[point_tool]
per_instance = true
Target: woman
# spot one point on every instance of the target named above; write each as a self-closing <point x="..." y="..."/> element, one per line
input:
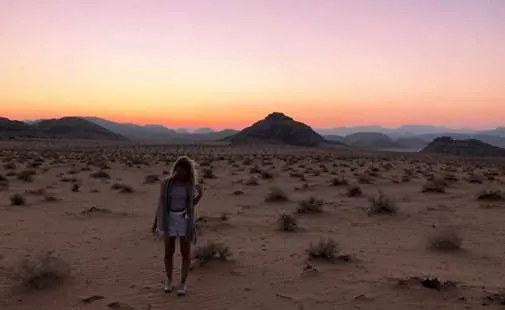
<point x="175" y="217"/>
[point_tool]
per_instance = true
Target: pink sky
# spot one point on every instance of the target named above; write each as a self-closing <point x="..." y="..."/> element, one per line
<point x="226" y="63"/>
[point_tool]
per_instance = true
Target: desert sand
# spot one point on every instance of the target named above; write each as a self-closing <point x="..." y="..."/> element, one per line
<point x="100" y="229"/>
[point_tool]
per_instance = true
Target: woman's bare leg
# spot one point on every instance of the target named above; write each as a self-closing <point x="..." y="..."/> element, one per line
<point x="169" y="256"/>
<point x="185" y="246"/>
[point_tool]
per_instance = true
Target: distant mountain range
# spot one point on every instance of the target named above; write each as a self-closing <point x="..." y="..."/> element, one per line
<point x="276" y="127"/>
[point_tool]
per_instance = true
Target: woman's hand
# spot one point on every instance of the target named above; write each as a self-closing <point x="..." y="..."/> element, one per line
<point x="199" y="193"/>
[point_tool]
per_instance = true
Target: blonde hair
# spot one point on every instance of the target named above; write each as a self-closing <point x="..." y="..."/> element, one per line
<point x="188" y="163"/>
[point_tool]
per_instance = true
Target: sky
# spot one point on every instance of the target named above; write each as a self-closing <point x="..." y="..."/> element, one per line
<point x="228" y="63"/>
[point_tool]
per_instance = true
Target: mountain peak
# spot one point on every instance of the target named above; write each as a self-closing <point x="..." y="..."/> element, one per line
<point x="278" y="116"/>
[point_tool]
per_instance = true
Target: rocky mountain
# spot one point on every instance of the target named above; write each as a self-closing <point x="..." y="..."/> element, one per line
<point x="161" y="134"/>
<point x="470" y="147"/>
<point x="278" y="128"/>
<point x="369" y="140"/>
<point x="402" y="131"/>
<point x="63" y="128"/>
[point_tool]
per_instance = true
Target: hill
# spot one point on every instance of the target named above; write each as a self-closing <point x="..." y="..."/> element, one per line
<point x="470" y="147"/>
<point x="63" y="128"/>
<point x="75" y="128"/>
<point x="369" y="140"/>
<point x="278" y="128"/>
<point x="160" y="134"/>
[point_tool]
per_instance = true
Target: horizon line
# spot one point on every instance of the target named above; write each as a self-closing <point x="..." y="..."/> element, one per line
<point x="235" y="128"/>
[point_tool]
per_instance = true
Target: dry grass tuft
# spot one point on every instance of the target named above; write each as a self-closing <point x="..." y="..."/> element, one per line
<point x="382" y="205"/>
<point x="211" y="251"/>
<point x="151" y="179"/>
<point x="435" y="186"/>
<point x="324" y="249"/>
<point x="339" y="182"/>
<point x="311" y="205"/>
<point x="354" y="191"/>
<point x="287" y="222"/>
<point x="26" y="176"/>
<point x="18" y="200"/>
<point x="446" y="241"/>
<point x="491" y="195"/>
<point x="41" y="272"/>
<point x="208" y="173"/>
<point x="122" y="188"/>
<point x="276" y="195"/>
<point x="100" y="174"/>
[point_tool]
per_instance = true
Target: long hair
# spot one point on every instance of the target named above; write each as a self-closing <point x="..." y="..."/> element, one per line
<point x="188" y="164"/>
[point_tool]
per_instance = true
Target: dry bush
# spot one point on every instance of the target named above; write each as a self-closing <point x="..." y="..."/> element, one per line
<point x="324" y="249"/>
<point x="447" y="241"/>
<point x="354" y="191"/>
<point x="26" y="176"/>
<point x="475" y="179"/>
<point x="436" y="185"/>
<point x="276" y="195"/>
<point x="100" y="174"/>
<point x="50" y="198"/>
<point x="255" y="169"/>
<point x="211" y="251"/>
<point x="311" y="205"/>
<point x="152" y="178"/>
<point x="41" y="272"/>
<point x="382" y="204"/>
<point x="3" y="179"/>
<point x="10" y="166"/>
<point x="287" y="222"/>
<point x="18" y="200"/>
<point x="208" y="173"/>
<point x="491" y="195"/>
<point x="339" y="182"/>
<point x="76" y="188"/>
<point x="238" y="192"/>
<point x="122" y="188"/>
<point x="265" y="175"/>
<point x="252" y="181"/>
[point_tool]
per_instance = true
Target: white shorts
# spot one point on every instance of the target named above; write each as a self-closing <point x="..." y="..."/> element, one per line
<point x="177" y="224"/>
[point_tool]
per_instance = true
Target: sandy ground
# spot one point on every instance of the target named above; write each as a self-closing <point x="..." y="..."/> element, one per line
<point x="113" y="255"/>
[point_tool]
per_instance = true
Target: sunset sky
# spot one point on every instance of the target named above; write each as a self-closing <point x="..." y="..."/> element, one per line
<point x="227" y="63"/>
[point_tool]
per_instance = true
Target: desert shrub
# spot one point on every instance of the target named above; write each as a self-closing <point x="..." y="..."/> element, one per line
<point x="26" y="176"/>
<point x="3" y="179"/>
<point x="76" y="188"/>
<point x="339" y="182"/>
<point x="324" y="249"/>
<point x="276" y="194"/>
<point x="354" y="191"/>
<point x="252" y="181"/>
<point x="491" y="195"/>
<point x="152" y="178"/>
<point x="208" y="173"/>
<point x="100" y="174"/>
<point x="446" y="241"/>
<point x="475" y="179"/>
<point x="41" y="272"/>
<point x="50" y="198"/>
<point x="122" y="188"/>
<point x="68" y="180"/>
<point x="382" y="204"/>
<point x="311" y="205"/>
<point x="296" y="175"/>
<point x="18" y="200"/>
<point x="238" y="192"/>
<point x="211" y="251"/>
<point x="266" y="175"/>
<point x="364" y="179"/>
<point x="287" y="222"/>
<point x="255" y="169"/>
<point x="436" y="185"/>
<point x="10" y="166"/>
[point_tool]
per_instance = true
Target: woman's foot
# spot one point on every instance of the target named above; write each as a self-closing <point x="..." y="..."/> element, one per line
<point x="182" y="290"/>
<point x="169" y="287"/>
